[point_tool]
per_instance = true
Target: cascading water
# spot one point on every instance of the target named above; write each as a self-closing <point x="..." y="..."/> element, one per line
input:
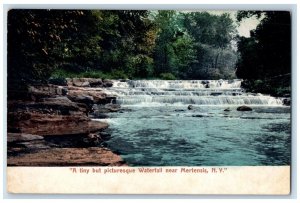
<point x="156" y="128"/>
<point x="198" y="92"/>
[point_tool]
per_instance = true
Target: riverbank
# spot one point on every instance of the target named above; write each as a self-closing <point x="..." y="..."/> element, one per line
<point x="53" y="126"/>
<point x="278" y="86"/>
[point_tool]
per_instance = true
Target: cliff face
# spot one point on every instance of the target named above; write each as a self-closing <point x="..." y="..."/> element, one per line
<point x="52" y="127"/>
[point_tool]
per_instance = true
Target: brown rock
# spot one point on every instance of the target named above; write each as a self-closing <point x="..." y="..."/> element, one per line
<point x="112" y="107"/>
<point x="53" y="105"/>
<point x="95" y="126"/>
<point x="87" y="95"/>
<point x="41" y="124"/>
<point x="93" y="156"/>
<point x="19" y="137"/>
<point x="80" y="82"/>
<point x="42" y="91"/>
<point x="95" y="82"/>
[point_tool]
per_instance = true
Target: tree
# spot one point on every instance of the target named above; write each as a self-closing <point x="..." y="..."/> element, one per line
<point x="213" y="35"/>
<point x="267" y="52"/>
<point x="36" y="44"/>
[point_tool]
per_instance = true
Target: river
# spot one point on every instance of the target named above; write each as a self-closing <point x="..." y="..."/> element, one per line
<point x="156" y="128"/>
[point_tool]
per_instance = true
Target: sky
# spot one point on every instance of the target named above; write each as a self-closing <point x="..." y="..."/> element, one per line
<point x="245" y="26"/>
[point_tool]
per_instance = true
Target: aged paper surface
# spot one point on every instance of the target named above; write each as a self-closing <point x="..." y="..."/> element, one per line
<point x="274" y="180"/>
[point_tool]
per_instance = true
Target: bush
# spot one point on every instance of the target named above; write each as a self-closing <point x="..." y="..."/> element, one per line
<point x="92" y="74"/>
<point x="118" y="74"/>
<point x="59" y="74"/>
<point x="167" y="76"/>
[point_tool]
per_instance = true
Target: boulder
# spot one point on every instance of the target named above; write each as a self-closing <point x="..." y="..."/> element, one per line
<point x="87" y="96"/>
<point x="107" y="83"/>
<point x="227" y="109"/>
<point x="216" y="93"/>
<point x="92" y="156"/>
<point x="80" y="82"/>
<point x="190" y="107"/>
<point x="95" y="82"/>
<point x="112" y="107"/>
<point x="244" y="108"/>
<point x="286" y="101"/>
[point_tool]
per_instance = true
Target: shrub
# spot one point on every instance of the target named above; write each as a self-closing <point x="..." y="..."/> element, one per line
<point x="167" y="76"/>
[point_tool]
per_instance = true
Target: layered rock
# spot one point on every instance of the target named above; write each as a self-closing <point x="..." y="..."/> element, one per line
<point x="93" y="156"/>
<point x="51" y="126"/>
<point x="39" y="124"/>
<point x="88" y="82"/>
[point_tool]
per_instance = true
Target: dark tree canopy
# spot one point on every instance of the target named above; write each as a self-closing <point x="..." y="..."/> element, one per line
<point x="119" y="44"/>
<point x="267" y="52"/>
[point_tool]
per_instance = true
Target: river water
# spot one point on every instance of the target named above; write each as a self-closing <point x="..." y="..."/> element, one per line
<point x="156" y="128"/>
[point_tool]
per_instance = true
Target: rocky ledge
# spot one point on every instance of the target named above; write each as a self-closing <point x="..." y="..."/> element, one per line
<point x="53" y="126"/>
<point x="92" y="156"/>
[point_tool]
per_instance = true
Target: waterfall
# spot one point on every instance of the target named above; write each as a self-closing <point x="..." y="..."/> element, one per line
<point x="197" y="92"/>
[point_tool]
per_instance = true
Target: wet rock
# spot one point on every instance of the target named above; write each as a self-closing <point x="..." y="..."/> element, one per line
<point x="179" y="110"/>
<point x="112" y="107"/>
<point x="95" y="82"/>
<point x="201" y="115"/>
<point x="92" y="156"/>
<point x="244" y="108"/>
<point x="105" y="136"/>
<point x="227" y="109"/>
<point x="100" y="109"/>
<point x="236" y="94"/>
<point x="107" y="83"/>
<point x="110" y="99"/>
<point x="286" y="101"/>
<point x="98" y="114"/>
<point x="216" y="93"/>
<point x="190" y="107"/>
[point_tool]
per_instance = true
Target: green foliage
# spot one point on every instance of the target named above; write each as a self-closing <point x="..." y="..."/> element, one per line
<point x="167" y="76"/>
<point x="267" y="52"/>
<point x="61" y="73"/>
<point x="118" y="44"/>
<point x="277" y="86"/>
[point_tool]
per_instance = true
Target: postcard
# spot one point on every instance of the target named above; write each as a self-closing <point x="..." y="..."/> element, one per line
<point x="148" y="101"/>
